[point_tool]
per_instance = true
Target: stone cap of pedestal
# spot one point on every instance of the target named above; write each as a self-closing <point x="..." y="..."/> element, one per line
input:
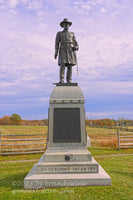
<point x="67" y="94"/>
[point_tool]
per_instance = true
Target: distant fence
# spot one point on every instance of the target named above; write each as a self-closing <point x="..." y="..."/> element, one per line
<point x="113" y="127"/>
<point x="22" y="144"/>
<point x="125" y="139"/>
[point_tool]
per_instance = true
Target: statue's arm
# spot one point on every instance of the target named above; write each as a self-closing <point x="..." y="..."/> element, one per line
<point x="57" y="40"/>
<point x="76" y="46"/>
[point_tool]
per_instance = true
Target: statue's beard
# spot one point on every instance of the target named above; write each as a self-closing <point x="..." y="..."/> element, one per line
<point x="66" y="28"/>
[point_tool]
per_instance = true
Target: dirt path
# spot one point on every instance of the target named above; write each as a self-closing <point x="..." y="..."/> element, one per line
<point x="114" y="155"/>
<point x="131" y="154"/>
<point x="19" y="160"/>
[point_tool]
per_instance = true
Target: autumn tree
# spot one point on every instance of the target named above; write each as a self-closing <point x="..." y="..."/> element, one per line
<point x="5" y="120"/>
<point x="16" y="119"/>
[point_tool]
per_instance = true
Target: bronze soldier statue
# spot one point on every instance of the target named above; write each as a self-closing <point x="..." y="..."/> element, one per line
<point x="65" y="47"/>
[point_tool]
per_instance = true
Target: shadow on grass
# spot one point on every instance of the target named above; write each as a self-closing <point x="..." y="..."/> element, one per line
<point x="127" y="174"/>
<point x="14" y="181"/>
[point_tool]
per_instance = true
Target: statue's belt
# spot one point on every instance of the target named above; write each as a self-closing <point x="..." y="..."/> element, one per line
<point x="66" y="42"/>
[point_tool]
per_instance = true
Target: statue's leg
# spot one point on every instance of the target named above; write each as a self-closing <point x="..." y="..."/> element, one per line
<point x="62" y="72"/>
<point x="69" y="74"/>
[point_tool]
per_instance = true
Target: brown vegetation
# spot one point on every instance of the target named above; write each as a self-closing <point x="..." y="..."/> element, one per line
<point x="109" y="122"/>
<point x="113" y="142"/>
<point x="9" y="120"/>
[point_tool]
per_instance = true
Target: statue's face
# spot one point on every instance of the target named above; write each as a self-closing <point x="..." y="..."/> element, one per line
<point x="66" y="26"/>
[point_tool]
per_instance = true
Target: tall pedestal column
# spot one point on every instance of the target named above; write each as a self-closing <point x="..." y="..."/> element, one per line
<point x="66" y="162"/>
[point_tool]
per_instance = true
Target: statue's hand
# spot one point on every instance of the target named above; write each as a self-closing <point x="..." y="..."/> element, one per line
<point x="55" y="56"/>
<point x="75" y="48"/>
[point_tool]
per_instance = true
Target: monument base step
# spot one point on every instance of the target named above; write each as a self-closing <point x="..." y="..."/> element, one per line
<point x="66" y="167"/>
<point x="42" y="181"/>
<point x="68" y="155"/>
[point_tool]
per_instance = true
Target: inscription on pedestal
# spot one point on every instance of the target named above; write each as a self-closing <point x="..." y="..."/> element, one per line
<point x="66" y="125"/>
<point x="68" y="169"/>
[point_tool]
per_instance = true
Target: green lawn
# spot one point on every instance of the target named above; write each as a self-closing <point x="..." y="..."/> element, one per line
<point x="120" y="168"/>
<point x="96" y="151"/>
<point x="100" y="151"/>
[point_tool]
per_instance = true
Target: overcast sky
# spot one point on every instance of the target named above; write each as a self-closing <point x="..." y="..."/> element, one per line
<point x="104" y="31"/>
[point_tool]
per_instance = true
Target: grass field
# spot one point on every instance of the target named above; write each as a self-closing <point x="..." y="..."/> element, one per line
<point x="130" y="127"/>
<point x="118" y="167"/>
<point x="118" y="164"/>
<point x="99" y="136"/>
<point x="33" y="131"/>
<point x="102" y="136"/>
<point x="23" y="130"/>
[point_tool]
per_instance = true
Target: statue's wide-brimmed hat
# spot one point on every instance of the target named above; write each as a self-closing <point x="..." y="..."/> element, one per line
<point x="65" y="21"/>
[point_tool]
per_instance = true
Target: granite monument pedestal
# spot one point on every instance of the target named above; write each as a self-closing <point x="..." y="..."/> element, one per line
<point x="66" y="162"/>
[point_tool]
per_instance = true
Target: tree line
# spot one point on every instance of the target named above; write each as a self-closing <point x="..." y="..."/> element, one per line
<point x="109" y="122"/>
<point x="16" y="119"/>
